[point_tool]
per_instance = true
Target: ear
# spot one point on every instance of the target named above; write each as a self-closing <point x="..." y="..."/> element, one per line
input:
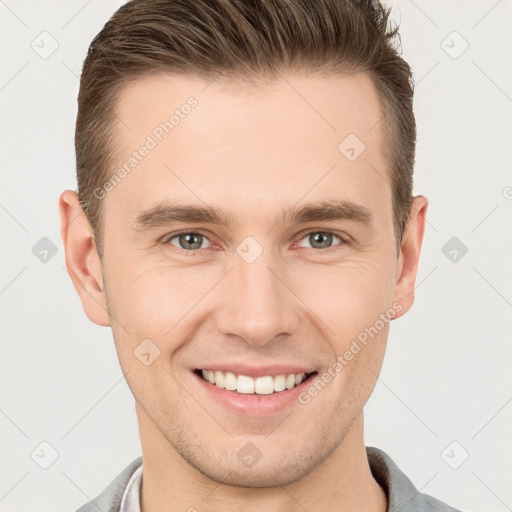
<point x="82" y="260"/>
<point x="407" y="264"/>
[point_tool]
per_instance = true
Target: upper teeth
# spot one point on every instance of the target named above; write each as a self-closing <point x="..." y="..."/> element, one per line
<point x="261" y="385"/>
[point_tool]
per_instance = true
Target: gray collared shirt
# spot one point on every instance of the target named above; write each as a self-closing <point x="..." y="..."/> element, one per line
<point x="122" y="494"/>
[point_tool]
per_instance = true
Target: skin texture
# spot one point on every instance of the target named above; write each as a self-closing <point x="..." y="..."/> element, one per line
<point x="251" y="153"/>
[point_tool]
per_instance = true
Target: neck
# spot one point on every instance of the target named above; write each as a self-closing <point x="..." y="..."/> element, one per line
<point x="341" y="482"/>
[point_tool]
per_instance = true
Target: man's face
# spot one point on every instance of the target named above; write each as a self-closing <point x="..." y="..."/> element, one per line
<point x="267" y="289"/>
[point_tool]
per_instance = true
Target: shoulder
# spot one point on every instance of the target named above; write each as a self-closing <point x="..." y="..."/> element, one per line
<point x="401" y="492"/>
<point x="110" y="498"/>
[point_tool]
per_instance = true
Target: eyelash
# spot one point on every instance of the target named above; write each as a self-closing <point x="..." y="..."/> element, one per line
<point x="193" y="252"/>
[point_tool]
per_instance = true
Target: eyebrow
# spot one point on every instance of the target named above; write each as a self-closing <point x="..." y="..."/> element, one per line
<point x="329" y="210"/>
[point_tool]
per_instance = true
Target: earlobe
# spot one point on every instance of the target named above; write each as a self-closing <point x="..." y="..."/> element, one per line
<point x="82" y="260"/>
<point x="407" y="264"/>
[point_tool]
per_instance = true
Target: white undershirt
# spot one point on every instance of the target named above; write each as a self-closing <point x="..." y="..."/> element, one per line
<point x="130" y="501"/>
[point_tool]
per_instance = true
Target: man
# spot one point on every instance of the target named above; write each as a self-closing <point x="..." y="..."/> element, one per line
<point x="245" y="225"/>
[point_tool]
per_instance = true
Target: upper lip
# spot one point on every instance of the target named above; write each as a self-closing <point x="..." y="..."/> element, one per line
<point x="256" y="371"/>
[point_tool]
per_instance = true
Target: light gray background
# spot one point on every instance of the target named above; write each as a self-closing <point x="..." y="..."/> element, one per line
<point x="447" y="372"/>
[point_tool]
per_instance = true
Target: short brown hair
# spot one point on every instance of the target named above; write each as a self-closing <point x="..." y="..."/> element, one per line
<point x="247" y="41"/>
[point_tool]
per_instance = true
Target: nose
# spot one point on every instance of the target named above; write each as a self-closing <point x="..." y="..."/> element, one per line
<point x="255" y="303"/>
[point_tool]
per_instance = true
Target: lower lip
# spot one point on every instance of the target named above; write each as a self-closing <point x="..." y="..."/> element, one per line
<point x="251" y="404"/>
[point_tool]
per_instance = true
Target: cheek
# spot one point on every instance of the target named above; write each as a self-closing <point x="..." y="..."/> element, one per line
<point x="141" y="316"/>
<point x="350" y="294"/>
<point x="360" y="358"/>
<point x="352" y="304"/>
<point x="154" y="298"/>
<point x="153" y="309"/>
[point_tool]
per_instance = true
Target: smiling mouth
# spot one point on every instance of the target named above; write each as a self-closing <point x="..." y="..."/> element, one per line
<point x="243" y="384"/>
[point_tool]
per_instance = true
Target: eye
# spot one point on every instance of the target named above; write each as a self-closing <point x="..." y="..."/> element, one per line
<point x="188" y="241"/>
<point x="320" y="240"/>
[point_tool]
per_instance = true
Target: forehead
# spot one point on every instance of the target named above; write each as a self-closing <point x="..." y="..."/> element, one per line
<point x="324" y="105"/>
<point x="276" y="142"/>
